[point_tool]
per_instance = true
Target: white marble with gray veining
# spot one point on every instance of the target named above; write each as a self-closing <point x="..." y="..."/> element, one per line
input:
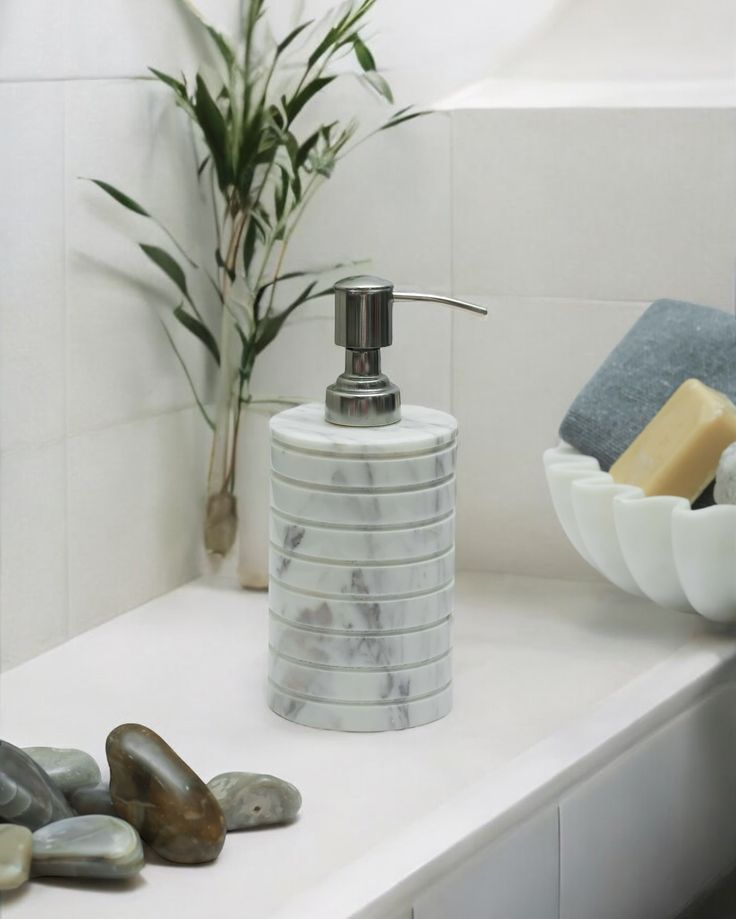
<point x="402" y="544"/>
<point x="419" y="430"/>
<point x="360" y="615"/>
<point x="355" y="685"/>
<point x="361" y="569"/>
<point x="343" y="716"/>
<point x="375" y="581"/>
<point x="363" y="509"/>
<point x="376" y="472"/>
<point x="359" y="650"/>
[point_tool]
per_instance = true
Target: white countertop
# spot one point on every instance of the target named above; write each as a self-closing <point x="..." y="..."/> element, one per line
<point x="548" y="676"/>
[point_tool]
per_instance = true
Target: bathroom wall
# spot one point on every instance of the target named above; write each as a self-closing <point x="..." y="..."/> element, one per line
<point x="102" y="452"/>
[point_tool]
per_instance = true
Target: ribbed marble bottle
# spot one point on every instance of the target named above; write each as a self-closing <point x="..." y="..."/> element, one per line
<point x="362" y="541"/>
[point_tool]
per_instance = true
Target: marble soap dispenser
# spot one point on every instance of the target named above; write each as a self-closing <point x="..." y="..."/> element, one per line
<point x="362" y="539"/>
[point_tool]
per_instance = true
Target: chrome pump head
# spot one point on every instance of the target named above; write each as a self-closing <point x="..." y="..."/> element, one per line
<point x="362" y="396"/>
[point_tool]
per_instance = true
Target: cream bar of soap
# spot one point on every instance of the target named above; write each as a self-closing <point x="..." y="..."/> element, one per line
<point x="677" y="453"/>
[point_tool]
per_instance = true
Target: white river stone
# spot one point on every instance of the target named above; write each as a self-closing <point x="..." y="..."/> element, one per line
<point x="250" y="799"/>
<point x="93" y="846"/>
<point x="725" y="490"/>
<point x="68" y="769"/>
<point x="15" y="855"/>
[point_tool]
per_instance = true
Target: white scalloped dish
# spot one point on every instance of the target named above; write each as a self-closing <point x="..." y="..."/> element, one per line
<point x="659" y="547"/>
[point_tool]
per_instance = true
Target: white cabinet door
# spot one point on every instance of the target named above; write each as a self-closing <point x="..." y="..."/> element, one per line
<point x="515" y="877"/>
<point x="656" y="826"/>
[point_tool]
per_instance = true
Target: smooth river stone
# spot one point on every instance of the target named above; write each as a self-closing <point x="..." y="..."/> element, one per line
<point x="27" y="794"/>
<point x="725" y="489"/>
<point x="92" y="846"/>
<point x="67" y="769"/>
<point x="154" y="790"/>
<point x="15" y="855"/>
<point x="92" y="800"/>
<point x="250" y="799"/>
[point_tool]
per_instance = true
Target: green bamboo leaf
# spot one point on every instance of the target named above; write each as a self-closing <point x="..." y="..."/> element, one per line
<point x="223" y="46"/>
<point x="327" y="42"/>
<point x="283" y="45"/>
<point x="306" y="148"/>
<point x="127" y="202"/>
<point x="249" y="245"/>
<point x="363" y="54"/>
<point x="178" y="87"/>
<point x="297" y="102"/>
<point x="276" y="116"/>
<point x="379" y="84"/>
<point x="221" y="264"/>
<point x="270" y="326"/>
<point x="212" y="123"/>
<point x="168" y="265"/>
<point x="280" y="194"/>
<point x="398" y="118"/>
<point x="188" y="375"/>
<point x="121" y="198"/>
<point x="199" y="330"/>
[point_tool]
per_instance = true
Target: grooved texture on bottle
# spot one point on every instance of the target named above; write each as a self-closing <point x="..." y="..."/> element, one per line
<point x="361" y="570"/>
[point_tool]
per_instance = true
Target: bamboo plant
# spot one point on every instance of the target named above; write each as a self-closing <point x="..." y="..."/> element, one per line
<point x="261" y="169"/>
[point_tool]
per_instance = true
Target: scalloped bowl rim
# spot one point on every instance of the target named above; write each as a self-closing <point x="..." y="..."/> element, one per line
<point x="657" y="547"/>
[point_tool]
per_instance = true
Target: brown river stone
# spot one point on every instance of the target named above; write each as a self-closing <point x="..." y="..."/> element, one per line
<point x="154" y="790"/>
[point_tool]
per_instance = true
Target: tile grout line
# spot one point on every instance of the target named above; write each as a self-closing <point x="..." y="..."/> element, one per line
<point x="559" y="860"/>
<point x="65" y="294"/>
<point x="451" y="220"/>
<point x="112" y="78"/>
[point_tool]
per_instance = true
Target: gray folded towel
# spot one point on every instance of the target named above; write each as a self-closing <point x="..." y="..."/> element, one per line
<point x="670" y="343"/>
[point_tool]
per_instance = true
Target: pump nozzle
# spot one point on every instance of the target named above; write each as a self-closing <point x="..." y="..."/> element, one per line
<point x="362" y="396"/>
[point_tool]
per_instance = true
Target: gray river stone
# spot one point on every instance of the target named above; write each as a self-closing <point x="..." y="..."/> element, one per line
<point x="27" y="795"/>
<point x="94" y="799"/>
<point x="92" y="846"/>
<point x="67" y="769"/>
<point x="15" y="855"/>
<point x="250" y="799"/>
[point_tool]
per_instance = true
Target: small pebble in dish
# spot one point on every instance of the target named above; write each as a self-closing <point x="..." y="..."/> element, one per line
<point x="725" y="490"/>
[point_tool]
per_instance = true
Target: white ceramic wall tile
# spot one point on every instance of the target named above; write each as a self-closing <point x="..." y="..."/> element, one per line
<point x="33" y="561"/>
<point x="30" y="40"/>
<point x="121" y="365"/>
<point x="617" y="863"/>
<point x="388" y="202"/>
<point x="675" y="40"/>
<point x="515" y="374"/>
<point x="135" y="513"/>
<point x="119" y="38"/>
<point x="610" y="204"/>
<point x="32" y="278"/>
<point x="515" y="877"/>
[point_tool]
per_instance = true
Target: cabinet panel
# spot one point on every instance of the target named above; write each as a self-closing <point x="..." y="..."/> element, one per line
<point x="652" y="829"/>
<point x="515" y="877"/>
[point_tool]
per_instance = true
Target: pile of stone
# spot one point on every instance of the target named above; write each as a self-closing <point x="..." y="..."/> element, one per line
<point x="56" y="818"/>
